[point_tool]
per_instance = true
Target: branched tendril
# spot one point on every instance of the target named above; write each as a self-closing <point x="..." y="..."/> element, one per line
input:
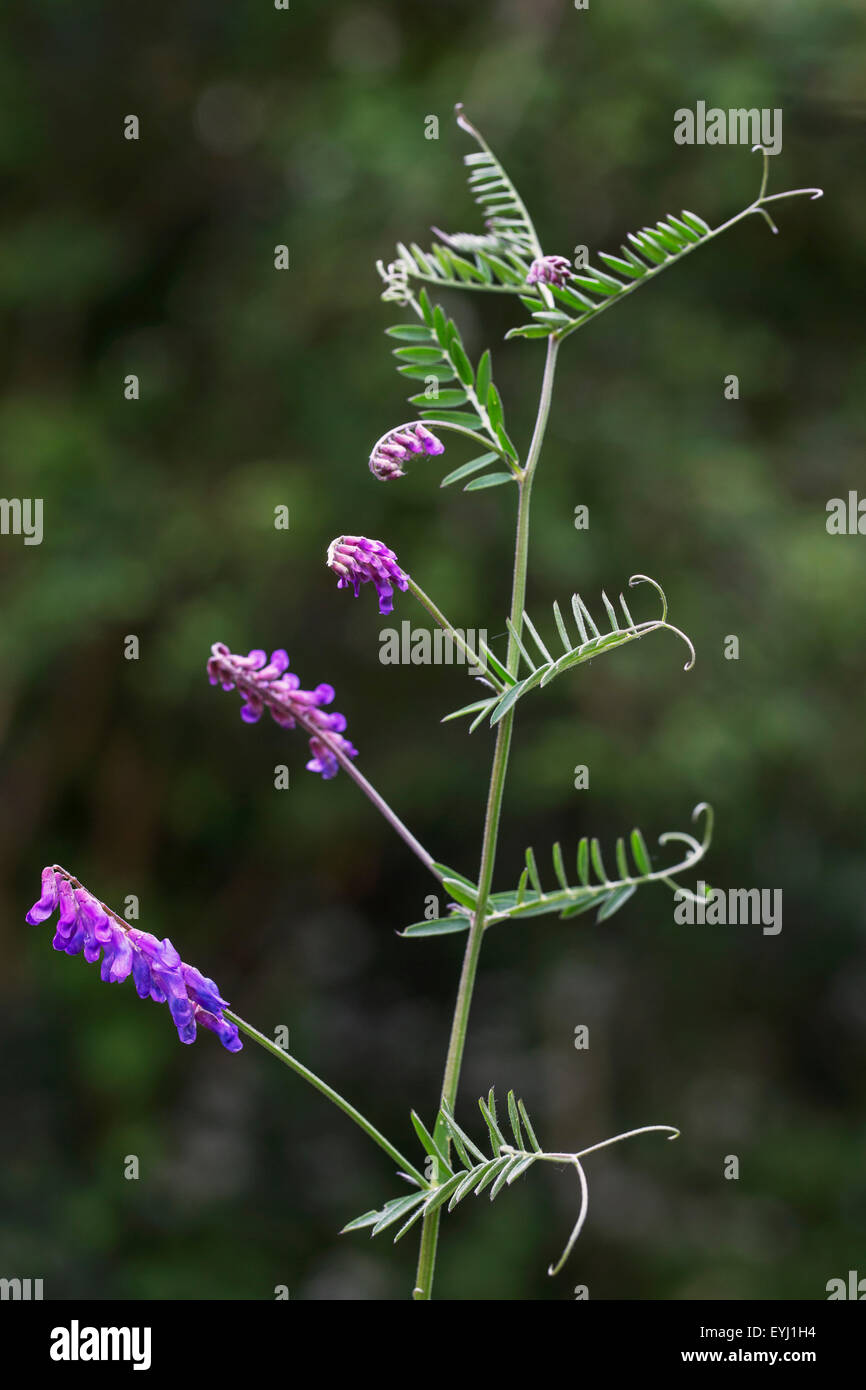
<point x="468" y="1169"/>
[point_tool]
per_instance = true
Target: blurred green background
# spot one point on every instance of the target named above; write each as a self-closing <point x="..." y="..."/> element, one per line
<point x="261" y="388"/>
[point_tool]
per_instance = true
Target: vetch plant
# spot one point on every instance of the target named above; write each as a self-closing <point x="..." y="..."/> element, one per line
<point x="459" y="399"/>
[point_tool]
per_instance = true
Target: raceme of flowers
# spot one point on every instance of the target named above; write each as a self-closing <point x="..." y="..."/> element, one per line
<point x="85" y="926"/>
<point x="392" y="451"/>
<point x="355" y="560"/>
<point x="267" y="684"/>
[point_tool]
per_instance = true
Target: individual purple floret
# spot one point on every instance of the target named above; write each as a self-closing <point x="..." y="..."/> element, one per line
<point x="394" y="448"/>
<point x="86" y="926"/>
<point x="262" y="683"/>
<point x="549" y="270"/>
<point x="356" y="560"/>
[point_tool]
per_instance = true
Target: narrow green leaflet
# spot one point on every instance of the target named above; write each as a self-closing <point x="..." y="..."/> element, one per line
<point x="443" y="400"/>
<point x="466" y="469"/>
<point x="482" y="376"/>
<point x="438" y="926"/>
<point x="429" y="1145"/>
<point x="410" y="332"/>
<point x="489" y="480"/>
<point x="462" y="889"/>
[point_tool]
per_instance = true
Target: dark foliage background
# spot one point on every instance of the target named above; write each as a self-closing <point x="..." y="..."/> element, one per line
<point x="260" y="388"/>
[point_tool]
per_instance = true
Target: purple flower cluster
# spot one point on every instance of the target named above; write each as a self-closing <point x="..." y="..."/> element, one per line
<point x="262" y="683"/>
<point x="355" y="560"/>
<point x="549" y="270"/>
<point x="394" y="449"/>
<point x="85" y="926"/>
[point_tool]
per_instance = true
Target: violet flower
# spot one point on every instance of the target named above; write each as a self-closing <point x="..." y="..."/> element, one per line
<point x="86" y="926"/>
<point x="394" y="448"/>
<point x="355" y="560"/>
<point x="549" y="270"/>
<point x="268" y="684"/>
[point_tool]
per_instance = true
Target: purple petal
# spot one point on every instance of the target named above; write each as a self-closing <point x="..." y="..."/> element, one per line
<point x="95" y="919"/>
<point x="75" y="943"/>
<point x="225" y="1030"/>
<point x="123" y="958"/>
<point x="43" y="908"/>
<point x="68" y="918"/>
<point x="202" y="990"/>
<point x="431" y="444"/>
<point x="141" y="974"/>
<point x="169" y="956"/>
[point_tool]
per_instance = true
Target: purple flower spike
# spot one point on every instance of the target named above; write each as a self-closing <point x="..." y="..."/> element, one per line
<point x="355" y="560"/>
<point x="549" y="270"/>
<point x="394" y="448"/>
<point x="87" y="926"/>
<point x="264" y="684"/>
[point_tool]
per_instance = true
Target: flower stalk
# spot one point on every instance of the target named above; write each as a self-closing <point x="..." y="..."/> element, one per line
<point x="476" y="659"/>
<point x="334" y="1096"/>
<point x="262" y="684"/>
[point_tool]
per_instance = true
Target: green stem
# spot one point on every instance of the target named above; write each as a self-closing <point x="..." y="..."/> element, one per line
<point x="477" y="665"/>
<point x="457" y="1042"/>
<point x="288" y="1060"/>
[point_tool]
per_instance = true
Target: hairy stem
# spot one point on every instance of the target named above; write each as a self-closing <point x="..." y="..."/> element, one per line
<point x="460" y="1023"/>
<point x="374" y="797"/>
<point x="250" y="688"/>
<point x="384" y="809"/>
